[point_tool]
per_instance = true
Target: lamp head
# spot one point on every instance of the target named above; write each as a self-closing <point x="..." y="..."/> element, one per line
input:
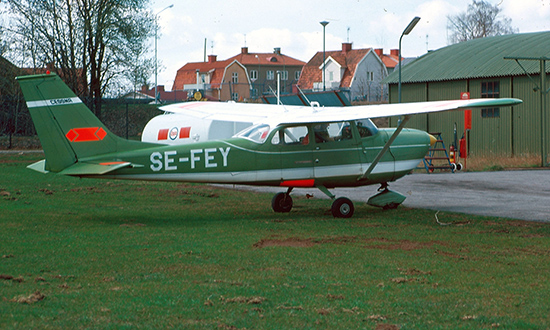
<point x="411" y="25"/>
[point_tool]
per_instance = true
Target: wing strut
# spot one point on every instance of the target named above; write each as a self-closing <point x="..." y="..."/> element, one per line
<point x="385" y="148"/>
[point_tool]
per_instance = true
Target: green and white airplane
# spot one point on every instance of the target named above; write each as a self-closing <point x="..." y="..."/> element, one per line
<point x="289" y="147"/>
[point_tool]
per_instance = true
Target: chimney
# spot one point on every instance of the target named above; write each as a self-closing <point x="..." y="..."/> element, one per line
<point x="212" y="58"/>
<point x="277" y="50"/>
<point x="379" y="51"/>
<point x="394" y="52"/>
<point x="244" y="50"/>
<point x="346" y="47"/>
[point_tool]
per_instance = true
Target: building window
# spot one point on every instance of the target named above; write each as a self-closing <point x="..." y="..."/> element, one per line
<point x="254" y="92"/>
<point x="370" y="76"/>
<point x="284" y="75"/>
<point x="235" y="77"/>
<point x="297" y="75"/>
<point x="330" y="76"/>
<point x="253" y="75"/>
<point x="235" y="96"/>
<point x="270" y="75"/>
<point x="490" y="89"/>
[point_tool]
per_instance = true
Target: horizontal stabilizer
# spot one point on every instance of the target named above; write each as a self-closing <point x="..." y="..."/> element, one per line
<point x="39" y="166"/>
<point x="96" y="168"/>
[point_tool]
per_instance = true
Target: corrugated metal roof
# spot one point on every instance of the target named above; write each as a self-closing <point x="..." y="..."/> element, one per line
<point x="478" y="58"/>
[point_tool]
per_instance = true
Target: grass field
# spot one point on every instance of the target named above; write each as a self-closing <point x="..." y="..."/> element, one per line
<point x="114" y="255"/>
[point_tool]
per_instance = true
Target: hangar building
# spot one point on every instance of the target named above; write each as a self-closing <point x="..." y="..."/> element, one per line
<point x="484" y="67"/>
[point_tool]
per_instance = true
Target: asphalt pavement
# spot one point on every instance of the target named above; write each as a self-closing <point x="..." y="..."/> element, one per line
<point x="518" y="194"/>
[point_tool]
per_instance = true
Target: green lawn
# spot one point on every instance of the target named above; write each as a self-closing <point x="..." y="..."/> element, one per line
<point x="115" y="254"/>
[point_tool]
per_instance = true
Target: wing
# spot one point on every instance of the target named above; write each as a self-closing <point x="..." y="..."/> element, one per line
<point x="331" y="114"/>
<point x="277" y="114"/>
<point x="231" y="111"/>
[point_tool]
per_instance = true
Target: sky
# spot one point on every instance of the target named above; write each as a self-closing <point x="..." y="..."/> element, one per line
<point x="294" y="26"/>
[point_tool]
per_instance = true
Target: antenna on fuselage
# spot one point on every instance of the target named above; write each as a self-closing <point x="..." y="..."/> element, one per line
<point x="279" y="101"/>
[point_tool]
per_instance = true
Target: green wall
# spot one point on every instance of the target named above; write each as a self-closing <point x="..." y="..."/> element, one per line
<point x="516" y="132"/>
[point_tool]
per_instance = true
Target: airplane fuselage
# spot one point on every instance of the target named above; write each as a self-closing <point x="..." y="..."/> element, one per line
<point x="277" y="160"/>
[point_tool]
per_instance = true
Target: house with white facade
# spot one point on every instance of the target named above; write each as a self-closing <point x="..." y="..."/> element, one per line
<point x="358" y="71"/>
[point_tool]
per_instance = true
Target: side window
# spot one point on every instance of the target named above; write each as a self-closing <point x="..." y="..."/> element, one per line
<point x="276" y="139"/>
<point x="295" y="135"/>
<point x="366" y="128"/>
<point x="330" y="132"/>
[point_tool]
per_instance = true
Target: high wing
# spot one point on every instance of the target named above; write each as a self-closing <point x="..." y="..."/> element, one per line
<point x="230" y="111"/>
<point x="278" y="114"/>
<point x="330" y="114"/>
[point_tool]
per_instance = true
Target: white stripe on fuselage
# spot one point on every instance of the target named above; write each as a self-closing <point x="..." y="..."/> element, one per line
<point x="251" y="177"/>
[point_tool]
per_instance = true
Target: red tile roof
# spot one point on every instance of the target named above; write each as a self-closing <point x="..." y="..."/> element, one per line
<point x="390" y="60"/>
<point x="348" y="58"/>
<point x="187" y="74"/>
<point x="266" y="59"/>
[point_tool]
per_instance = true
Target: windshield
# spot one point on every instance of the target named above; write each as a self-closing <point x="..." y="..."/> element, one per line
<point x="257" y="133"/>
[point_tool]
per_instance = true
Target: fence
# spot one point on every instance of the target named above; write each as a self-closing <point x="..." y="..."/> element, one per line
<point x="123" y="117"/>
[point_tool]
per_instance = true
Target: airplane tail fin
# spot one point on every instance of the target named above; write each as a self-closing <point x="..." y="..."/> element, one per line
<point x="67" y="129"/>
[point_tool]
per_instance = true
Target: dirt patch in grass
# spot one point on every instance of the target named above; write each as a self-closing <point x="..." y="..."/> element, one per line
<point x="339" y="240"/>
<point x="289" y="242"/>
<point x="31" y="299"/>
<point x="305" y="242"/>
<point x="404" y="245"/>
<point x="244" y="300"/>
<point x="452" y="255"/>
<point x="384" y="243"/>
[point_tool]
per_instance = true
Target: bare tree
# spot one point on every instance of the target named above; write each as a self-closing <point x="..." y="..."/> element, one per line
<point x="479" y="21"/>
<point x="91" y="43"/>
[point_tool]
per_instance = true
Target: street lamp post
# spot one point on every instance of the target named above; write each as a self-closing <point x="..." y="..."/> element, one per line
<point x="407" y="30"/>
<point x="156" y="62"/>
<point x="324" y="24"/>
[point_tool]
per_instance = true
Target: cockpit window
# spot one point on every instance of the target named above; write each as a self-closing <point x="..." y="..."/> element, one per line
<point x="330" y="132"/>
<point x="257" y="133"/>
<point x="366" y="128"/>
<point x="291" y="135"/>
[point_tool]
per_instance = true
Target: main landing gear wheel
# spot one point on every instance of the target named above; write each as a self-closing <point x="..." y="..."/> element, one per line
<point x="281" y="203"/>
<point x="342" y="208"/>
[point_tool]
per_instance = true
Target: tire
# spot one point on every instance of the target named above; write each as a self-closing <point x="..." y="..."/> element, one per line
<point x="342" y="208"/>
<point x="281" y="203"/>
